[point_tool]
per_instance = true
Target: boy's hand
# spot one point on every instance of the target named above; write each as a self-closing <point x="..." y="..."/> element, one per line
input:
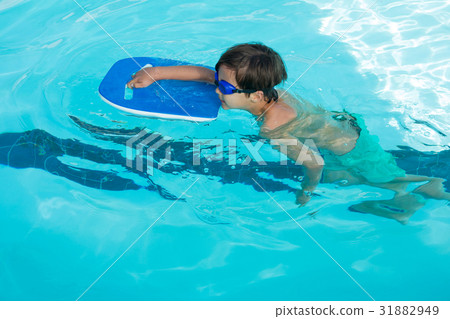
<point x="302" y="197"/>
<point x="142" y="78"/>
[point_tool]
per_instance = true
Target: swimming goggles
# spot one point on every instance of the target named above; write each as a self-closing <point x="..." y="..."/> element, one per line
<point x="228" y="88"/>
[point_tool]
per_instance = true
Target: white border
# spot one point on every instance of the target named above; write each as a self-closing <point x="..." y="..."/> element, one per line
<point x="218" y="309"/>
<point x="158" y="115"/>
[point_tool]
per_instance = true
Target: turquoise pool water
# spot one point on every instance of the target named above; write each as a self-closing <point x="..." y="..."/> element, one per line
<point x="70" y="208"/>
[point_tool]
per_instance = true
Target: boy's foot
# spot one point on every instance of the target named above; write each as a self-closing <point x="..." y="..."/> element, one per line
<point x="399" y="208"/>
<point x="433" y="189"/>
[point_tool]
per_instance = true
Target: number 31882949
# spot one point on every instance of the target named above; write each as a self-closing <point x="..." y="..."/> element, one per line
<point x="408" y="310"/>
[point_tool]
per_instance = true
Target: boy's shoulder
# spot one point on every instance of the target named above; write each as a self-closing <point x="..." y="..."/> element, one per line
<point x="278" y="114"/>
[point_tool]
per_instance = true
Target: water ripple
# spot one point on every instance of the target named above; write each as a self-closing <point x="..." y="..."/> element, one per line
<point x="407" y="46"/>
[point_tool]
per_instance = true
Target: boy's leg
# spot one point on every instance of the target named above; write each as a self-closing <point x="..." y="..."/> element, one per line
<point x="433" y="189"/>
<point x="399" y="208"/>
<point x="403" y="205"/>
<point x="345" y="178"/>
<point x="342" y="177"/>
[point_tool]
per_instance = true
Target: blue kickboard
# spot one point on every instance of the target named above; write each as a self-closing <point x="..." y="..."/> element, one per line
<point x="171" y="99"/>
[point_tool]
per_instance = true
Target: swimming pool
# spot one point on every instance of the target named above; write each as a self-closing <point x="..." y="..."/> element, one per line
<point x="72" y="211"/>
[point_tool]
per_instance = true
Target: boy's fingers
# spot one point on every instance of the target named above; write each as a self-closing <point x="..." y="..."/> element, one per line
<point x="138" y="85"/>
<point x="131" y="84"/>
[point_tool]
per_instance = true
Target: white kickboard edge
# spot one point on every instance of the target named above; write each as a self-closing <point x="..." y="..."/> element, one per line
<point x="158" y="115"/>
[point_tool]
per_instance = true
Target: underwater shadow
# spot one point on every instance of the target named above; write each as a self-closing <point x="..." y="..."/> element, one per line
<point x="39" y="149"/>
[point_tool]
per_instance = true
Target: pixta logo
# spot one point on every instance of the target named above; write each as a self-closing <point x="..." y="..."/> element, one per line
<point x="146" y="143"/>
<point x="150" y="141"/>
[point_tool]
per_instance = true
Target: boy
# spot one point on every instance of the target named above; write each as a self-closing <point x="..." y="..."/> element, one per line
<point x="246" y="76"/>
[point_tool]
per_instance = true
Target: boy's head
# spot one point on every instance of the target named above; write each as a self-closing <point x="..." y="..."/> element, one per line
<point x="255" y="67"/>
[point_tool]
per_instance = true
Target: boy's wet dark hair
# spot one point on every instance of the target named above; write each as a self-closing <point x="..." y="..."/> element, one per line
<point x="257" y="67"/>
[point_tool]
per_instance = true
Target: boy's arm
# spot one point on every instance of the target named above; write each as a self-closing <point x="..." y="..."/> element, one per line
<point x="313" y="173"/>
<point x="311" y="161"/>
<point x="147" y="76"/>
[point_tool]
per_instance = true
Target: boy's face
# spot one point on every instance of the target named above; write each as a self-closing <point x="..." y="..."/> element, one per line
<point x="231" y="101"/>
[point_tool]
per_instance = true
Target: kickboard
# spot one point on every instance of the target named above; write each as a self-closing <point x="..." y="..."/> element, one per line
<point x="169" y="99"/>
